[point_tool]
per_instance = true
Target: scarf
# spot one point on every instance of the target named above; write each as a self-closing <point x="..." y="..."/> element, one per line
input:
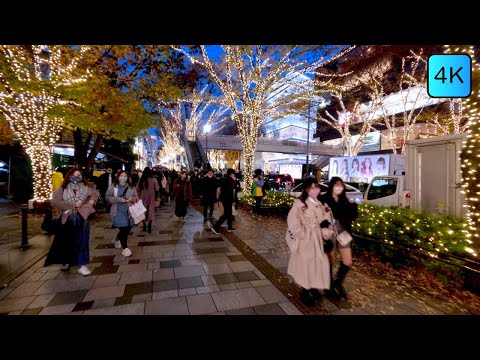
<point x="75" y="192"/>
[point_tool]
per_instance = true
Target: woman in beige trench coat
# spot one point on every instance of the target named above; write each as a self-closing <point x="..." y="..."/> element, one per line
<point x="308" y="263"/>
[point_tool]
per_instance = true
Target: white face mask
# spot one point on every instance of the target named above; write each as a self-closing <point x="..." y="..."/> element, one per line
<point x="337" y="190"/>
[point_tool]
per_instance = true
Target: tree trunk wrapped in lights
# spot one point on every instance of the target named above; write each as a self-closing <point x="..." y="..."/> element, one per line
<point x="31" y="78"/>
<point x="249" y="77"/>
<point x="471" y="148"/>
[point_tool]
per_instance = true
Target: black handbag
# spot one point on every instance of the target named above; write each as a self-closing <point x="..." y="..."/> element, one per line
<point x="50" y="225"/>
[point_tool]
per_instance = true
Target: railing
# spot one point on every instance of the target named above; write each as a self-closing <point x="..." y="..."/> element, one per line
<point x="313" y="146"/>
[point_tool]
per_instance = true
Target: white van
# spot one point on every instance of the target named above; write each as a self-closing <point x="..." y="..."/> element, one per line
<point x="388" y="191"/>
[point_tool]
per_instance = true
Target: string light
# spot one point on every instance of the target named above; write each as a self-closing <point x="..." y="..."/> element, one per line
<point x="249" y="77"/>
<point x="408" y="227"/>
<point x="470" y="160"/>
<point x="27" y="108"/>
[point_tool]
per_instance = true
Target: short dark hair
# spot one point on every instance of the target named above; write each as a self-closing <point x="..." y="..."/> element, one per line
<point x="258" y="172"/>
<point x="230" y="172"/>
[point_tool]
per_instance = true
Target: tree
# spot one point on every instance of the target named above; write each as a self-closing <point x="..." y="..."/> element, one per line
<point x="412" y="85"/>
<point x="455" y="122"/>
<point x="103" y="112"/>
<point x="32" y="78"/>
<point x="249" y="76"/>
<point x="353" y="115"/>
<point x="120" y="100"/>
<point x="471" y="148"/>
<point x="170" y="128"/>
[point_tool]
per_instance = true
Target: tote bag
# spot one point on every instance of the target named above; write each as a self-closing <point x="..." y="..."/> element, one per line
<point x="137" y="211"/>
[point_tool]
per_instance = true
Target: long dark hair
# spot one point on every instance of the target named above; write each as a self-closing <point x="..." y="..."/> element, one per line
<point x="331" y="184"/>
<point x="70" y="174"/>
<point x="129" y="178"/>
<point x="307" y="185"/>
<point x="143" y="183"/>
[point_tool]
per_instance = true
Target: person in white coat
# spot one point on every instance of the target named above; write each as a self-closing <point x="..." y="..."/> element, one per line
<point x="308" y="263"/>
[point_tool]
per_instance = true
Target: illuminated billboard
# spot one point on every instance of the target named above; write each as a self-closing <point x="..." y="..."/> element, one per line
<point x="359" y="168"/>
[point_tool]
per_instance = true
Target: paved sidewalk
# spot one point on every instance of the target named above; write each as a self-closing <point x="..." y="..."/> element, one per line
<point x="179" y="269"/>
<point x="183" y="269"/>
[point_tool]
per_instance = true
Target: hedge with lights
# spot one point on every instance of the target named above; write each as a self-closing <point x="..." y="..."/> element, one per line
<point x="272" y="199"/>
<point x="406" y="227"/>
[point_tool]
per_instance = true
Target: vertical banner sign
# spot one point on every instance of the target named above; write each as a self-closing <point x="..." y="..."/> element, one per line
<point x="449" y="76"/>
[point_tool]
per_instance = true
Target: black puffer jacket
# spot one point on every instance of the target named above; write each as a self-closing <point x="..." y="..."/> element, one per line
<point x="343" y="210"/>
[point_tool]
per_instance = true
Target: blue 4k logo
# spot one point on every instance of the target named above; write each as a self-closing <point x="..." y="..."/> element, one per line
<point x="449" y="76"/>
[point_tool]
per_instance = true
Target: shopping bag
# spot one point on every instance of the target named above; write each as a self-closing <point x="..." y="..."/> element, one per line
<point x="137" y="211"/>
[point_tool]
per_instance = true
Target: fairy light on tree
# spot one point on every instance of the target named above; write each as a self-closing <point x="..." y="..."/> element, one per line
<point x="248" y="77"/>
<point x="455" y="123"/>
<point x="170" y="128"/>
<point x="31" y="78"/>
<point x="471" y="146"/>
<point x="412" y="85"/>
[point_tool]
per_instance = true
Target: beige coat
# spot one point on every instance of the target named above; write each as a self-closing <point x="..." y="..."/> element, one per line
<point x="308" y="264"/>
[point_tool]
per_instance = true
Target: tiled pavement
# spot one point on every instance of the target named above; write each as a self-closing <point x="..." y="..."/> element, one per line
<point x="179" y="269"/>
<point x="183" y="269"/>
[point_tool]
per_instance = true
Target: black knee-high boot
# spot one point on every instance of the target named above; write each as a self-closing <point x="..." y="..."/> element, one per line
<point x="144" y="226"/>
<point x="338" y="283"/>
<point x="149" y="227"/>
<point x="331" y="293"/>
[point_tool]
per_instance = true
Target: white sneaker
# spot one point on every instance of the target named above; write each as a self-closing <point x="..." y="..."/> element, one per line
<point x="118" y="244"/>
<point x="84" y="270"/>
<point x="127" y="252"/>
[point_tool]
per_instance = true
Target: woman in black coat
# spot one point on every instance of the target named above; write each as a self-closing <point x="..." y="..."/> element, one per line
<point x="344" y="212"/>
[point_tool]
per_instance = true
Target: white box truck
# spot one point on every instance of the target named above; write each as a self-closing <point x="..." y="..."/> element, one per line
<point x="432" y="180"/>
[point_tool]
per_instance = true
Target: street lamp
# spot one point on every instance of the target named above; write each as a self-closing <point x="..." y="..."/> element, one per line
<point x="206" y="129"/>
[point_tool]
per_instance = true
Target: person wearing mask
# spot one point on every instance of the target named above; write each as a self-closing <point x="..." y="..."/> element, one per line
<point x="182" y="191"/>
<point x="227" y="197"/>
<point x="121" y="194"/>
<point x="75" y="201"/>
<point x="209" y="194"/>
<point x="344" y="212"/>
<point x="257" y="191"/>
<point x="308" y="263"/>
<point x="147" y="190"/>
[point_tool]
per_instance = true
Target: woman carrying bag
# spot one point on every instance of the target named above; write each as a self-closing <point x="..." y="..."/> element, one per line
<point x="122" y="195"/>
<point x="75" y="201"/>
<point x="308" y="263"/>
<point x="344" y="212"/>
